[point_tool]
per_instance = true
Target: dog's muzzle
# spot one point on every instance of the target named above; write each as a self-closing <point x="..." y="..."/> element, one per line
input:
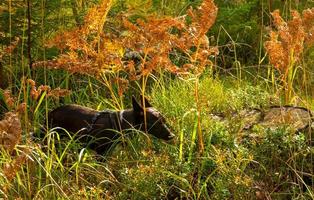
<point x="170" y="134"/>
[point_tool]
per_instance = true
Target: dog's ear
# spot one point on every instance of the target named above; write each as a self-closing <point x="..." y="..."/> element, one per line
<point x="136" y="106"/>
<point x="147" y="104"/>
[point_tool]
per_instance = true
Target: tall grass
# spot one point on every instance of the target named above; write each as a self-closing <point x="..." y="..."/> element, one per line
<point x="232" y="164"/>
<point x="212" y="157"/>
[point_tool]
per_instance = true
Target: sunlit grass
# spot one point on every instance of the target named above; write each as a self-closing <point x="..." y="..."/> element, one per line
<point x="230" y="163"/>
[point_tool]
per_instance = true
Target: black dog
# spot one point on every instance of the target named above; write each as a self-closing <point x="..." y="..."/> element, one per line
<point x="99" y="130"/>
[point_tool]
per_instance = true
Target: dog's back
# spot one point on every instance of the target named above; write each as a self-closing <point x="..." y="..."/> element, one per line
<point x="71" y="117"/>
<point x="96" y="129"/>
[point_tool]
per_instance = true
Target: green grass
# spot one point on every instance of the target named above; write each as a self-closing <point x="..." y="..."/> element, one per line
<point x="261" y="164"/>
<point x="232" y="165"/>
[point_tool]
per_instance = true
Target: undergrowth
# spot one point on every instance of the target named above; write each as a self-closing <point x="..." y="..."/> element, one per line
<point x="192" y="71"/>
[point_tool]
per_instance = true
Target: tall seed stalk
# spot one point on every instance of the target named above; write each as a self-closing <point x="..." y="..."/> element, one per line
<point x="287" y="45"/>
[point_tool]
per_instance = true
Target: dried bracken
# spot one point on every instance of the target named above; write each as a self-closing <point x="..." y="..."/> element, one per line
<point x="36" y="93"/>
<point x="89" y="50"/>
<point x="9" y="49"/>
<point x="121" y="84"/>
<point x="21" y="108"/>
<point x="154" y="40"/>
<point x="308" y="24"/>
<point x="157" y="38"/>
<point x="286" y="45"/>
<point x="4" y="52"/>
<point x="10" y="131"/>
<point x="97" y="16"/>
<point x="8" y="98"/>
<point x="203" y="18"/>
<point x="10" y="169"/>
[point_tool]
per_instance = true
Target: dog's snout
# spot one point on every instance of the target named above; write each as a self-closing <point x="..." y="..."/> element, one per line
<point x="168" y="134"/>
<point x="171" y="136"/>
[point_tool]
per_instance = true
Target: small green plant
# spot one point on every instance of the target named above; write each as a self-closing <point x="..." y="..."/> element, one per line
<point x="178" y="68"/>
<point x="283" y="160"/>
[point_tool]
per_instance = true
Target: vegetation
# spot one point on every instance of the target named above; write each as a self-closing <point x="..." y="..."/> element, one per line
<point x="201" y="63"/>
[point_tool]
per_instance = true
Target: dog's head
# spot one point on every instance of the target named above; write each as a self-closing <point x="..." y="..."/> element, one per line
<point x="155" y="122"/>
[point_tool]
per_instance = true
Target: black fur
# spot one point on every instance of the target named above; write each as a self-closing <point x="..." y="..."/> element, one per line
<point x="101" y="129"/>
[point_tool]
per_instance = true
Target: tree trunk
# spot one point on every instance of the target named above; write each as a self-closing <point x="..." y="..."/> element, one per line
<point x="3" y="80"/>
<point x="29" y="35"/>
